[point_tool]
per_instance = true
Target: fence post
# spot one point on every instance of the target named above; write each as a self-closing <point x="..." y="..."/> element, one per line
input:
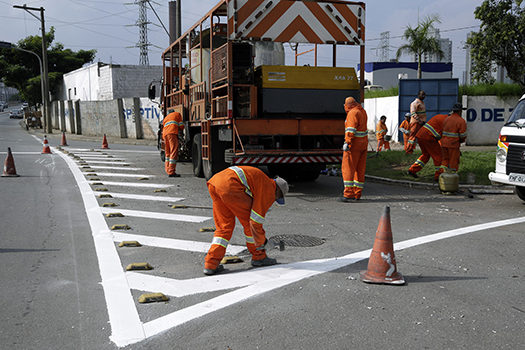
<point x="78" y="119"/>
<point x="71" y="116"/>
<point x="62" y="116"/>
<point x="122" y="119"/>
<point x="138" y="118"/>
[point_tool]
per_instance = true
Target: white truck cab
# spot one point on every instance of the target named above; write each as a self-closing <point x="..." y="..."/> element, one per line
<point x="510" y="157"/>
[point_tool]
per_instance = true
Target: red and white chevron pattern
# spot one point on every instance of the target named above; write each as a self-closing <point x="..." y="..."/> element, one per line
<point x="287" y="160"/>
<point x="315" y="22"/>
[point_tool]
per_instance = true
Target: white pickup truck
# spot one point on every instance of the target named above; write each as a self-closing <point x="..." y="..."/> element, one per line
<point x="510" y="157"/>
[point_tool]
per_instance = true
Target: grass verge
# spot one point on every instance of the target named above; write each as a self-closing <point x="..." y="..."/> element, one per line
<point x="394" y="165"/>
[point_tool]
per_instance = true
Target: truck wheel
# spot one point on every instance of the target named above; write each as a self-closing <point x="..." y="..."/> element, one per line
<point x="217" y="162"/>
<point x="196" y="155"/>
<point x="163" y="156"/>
<point x="520" y="191"/>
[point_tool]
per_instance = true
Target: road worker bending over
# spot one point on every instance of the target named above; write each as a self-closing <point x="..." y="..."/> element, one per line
<point x="354" y="150"/>
<point x="428" y="139"/>
<point x="246" y="193"/>
<point x="405" y="129"/>
<point x="171" y="126"/>
<point x="418" y="115"/>
<point x="454" y="133"/>
<point x="381" y="130"/>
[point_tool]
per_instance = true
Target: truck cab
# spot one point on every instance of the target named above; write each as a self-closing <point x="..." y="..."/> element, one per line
<point x="510" y="157"/>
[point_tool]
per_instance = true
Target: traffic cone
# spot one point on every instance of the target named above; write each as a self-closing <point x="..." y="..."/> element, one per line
<point x="9" y="165"/>
<point x="63" y="142"/>
<point x="382" y="263"/>
<point x="46" y="149"/>
<point x="105" y="143"/>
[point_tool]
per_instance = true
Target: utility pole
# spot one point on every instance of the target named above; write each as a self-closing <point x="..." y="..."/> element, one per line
<point x="47" y="115"/>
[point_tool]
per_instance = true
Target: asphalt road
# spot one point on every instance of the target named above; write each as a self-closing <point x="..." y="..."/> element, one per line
<point x="64" y="284"/>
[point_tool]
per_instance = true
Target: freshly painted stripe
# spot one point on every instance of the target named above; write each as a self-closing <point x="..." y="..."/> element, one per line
<point x="144" y="197"/>
<point x="89" y="161"/>
<point x="103" y="158"/>
<point x="99" y="150"/>
<point x="115" y="167"/>
<point x="123" y="175"/>
<point x="132" y="184"/>
<point x="157" y="215"/>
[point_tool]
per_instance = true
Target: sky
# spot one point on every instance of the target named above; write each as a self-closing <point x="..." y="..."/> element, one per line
<point x="109" y="26"/>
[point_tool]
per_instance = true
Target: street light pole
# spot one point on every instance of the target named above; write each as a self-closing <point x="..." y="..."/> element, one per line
<point x="45" y="84"/>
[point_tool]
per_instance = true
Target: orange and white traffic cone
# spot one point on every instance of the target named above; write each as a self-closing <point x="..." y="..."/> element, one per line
<point x="382" y="263"/>
<point x="9" y="165"/>
<point x="63" y="142"/>
<point x="46" y="149"/>
<point x="105" y="143"/>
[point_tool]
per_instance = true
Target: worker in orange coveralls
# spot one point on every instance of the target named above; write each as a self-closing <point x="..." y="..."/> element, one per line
<point x="454" y="133"/>
<point x="246" y="193"/>
<point x="405" y="128"/>
<point x="418" y="115"/>
<point x="354" y="150"/>
<point x="381" y="130"/>
<point x="428" y="139"/>
<point x="171" y="126"/>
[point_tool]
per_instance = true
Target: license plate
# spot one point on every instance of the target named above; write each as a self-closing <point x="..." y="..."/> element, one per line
<point x="517" y="178"/>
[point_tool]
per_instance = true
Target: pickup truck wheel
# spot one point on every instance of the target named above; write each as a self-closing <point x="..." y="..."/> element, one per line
<point x="520" y="191"/>
<point x="196" y="155"/>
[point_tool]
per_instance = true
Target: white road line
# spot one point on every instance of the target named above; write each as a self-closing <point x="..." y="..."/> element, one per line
<point x="99" y="150"/>
<point x="131" y="184"/>
<point x="102" y="162"/>
<point x="124" y="175"/>
<point x="115" y="167"/>
<point x="144" y="197"/>
<point x="156" y="215"/>
<point x="103" y="158"/>
<point x="21" y="153"/>
<point x="171" y="243"/>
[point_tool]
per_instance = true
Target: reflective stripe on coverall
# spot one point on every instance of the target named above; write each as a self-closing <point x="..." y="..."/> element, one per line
<point x="454" y="133"/>
<point x="171" y="125"/>
<point x="428" y="139"/>
<point x="381" y="131"/>
<point x="354" y="160"/>
<point x="405" y="126"/>
<point x="418" y="114"/>
<point x="246" y="193"/>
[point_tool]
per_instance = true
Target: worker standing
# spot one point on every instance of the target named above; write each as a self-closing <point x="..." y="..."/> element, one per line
<point x="454" y="133"/>
<point x="171" y="126"/>
<point x="418" y="116"/>
<point x="428" y="139"/>
<point x="354" y="150"/>
<point x="381" y="130"/>
<point x="246" y="193"/>
<point x="405" y="129"/>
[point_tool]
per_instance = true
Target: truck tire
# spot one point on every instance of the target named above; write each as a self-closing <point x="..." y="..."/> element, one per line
<point x="520" y="191"/>
<point x="216" y="163"/>
<point x="196" y="155"/>
<point x="163" y="156"/>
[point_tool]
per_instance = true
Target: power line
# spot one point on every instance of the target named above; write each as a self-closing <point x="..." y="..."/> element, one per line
<point x="442" y="31"/>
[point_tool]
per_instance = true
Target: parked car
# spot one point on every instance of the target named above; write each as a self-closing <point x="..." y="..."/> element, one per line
<point x="25" y="104"/>
<point x="510" y="157"/>
<point x="16" y="114"/>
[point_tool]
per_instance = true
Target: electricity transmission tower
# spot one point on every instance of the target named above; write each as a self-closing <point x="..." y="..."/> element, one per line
<point x="142" y="23"/>
<point x="384" y="46"/>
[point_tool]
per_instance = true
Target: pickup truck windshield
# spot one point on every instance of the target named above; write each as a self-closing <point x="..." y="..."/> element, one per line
<point x="518" y="114"/>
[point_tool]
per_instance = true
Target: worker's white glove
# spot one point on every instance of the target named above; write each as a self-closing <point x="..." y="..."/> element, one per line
<point x="345" y="147"/>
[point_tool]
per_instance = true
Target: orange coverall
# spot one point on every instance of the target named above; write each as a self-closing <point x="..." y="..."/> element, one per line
<point x="381" y="131"/>
<point x="404" y="126"/>
<point x="246" y="193"/>
<point x="419" y="117"/>
<point x="454" y="133"/>
<point x="428" y="139"/>
<point x="171" y="125"/>
<point x="354" y="160"/>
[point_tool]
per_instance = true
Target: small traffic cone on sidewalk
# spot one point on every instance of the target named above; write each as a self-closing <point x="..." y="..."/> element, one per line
<point x="382" y="267"/>
<point x="46" y="149"/>
<point x="9" y="165"/>
<point x="63" y="142"/>
<point x="105" y="143"/>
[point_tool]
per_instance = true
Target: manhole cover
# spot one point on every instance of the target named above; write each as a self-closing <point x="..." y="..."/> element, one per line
<point x="295" y="240"/>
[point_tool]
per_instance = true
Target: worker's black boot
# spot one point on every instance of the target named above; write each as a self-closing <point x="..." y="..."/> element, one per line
<point x="264" y="262"/>
<point x="210" y="272"/>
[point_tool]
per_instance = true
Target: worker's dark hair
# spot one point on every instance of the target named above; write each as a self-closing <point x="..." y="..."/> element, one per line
<point x="383" y="117"/>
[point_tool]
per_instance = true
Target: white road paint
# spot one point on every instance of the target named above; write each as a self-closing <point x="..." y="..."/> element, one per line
<point x="21" y="153"/>
<point x="101" y="162"/>
<point x="171" y="243"/>
<point x="99" y="150"/>
<point x="145" y="197"/>
<point x="156" y="215"/>
<point x="124" y="175"/>
<point x="105" y="158"/>
<point x="123" y="316"/>
<point x="115" y="167"/>
<point x="130" y="184"/>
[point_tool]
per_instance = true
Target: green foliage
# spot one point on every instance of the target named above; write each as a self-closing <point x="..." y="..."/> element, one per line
<point x="500" y="41"/>
<point x="382" y="93"/>
<point x="22" y="70"/>
<point x="394" y="165"/>
<point x="498" y="89"/>
<point x="420" y="41"/>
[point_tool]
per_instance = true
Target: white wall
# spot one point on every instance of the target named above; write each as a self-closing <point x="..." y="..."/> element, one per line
<point x="387" y="106"/>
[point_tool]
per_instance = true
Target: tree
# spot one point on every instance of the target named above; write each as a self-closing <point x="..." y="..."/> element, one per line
<point x="421" y="41"/>
<point x="500" y="40"/>
<point x="22" y="70"/>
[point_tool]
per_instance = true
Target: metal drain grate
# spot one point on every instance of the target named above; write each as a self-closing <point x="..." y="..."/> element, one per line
<point x="295" y="241"/>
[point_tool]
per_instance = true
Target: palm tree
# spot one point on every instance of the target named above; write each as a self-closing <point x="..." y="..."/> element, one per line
<point x="421" y="41"/>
